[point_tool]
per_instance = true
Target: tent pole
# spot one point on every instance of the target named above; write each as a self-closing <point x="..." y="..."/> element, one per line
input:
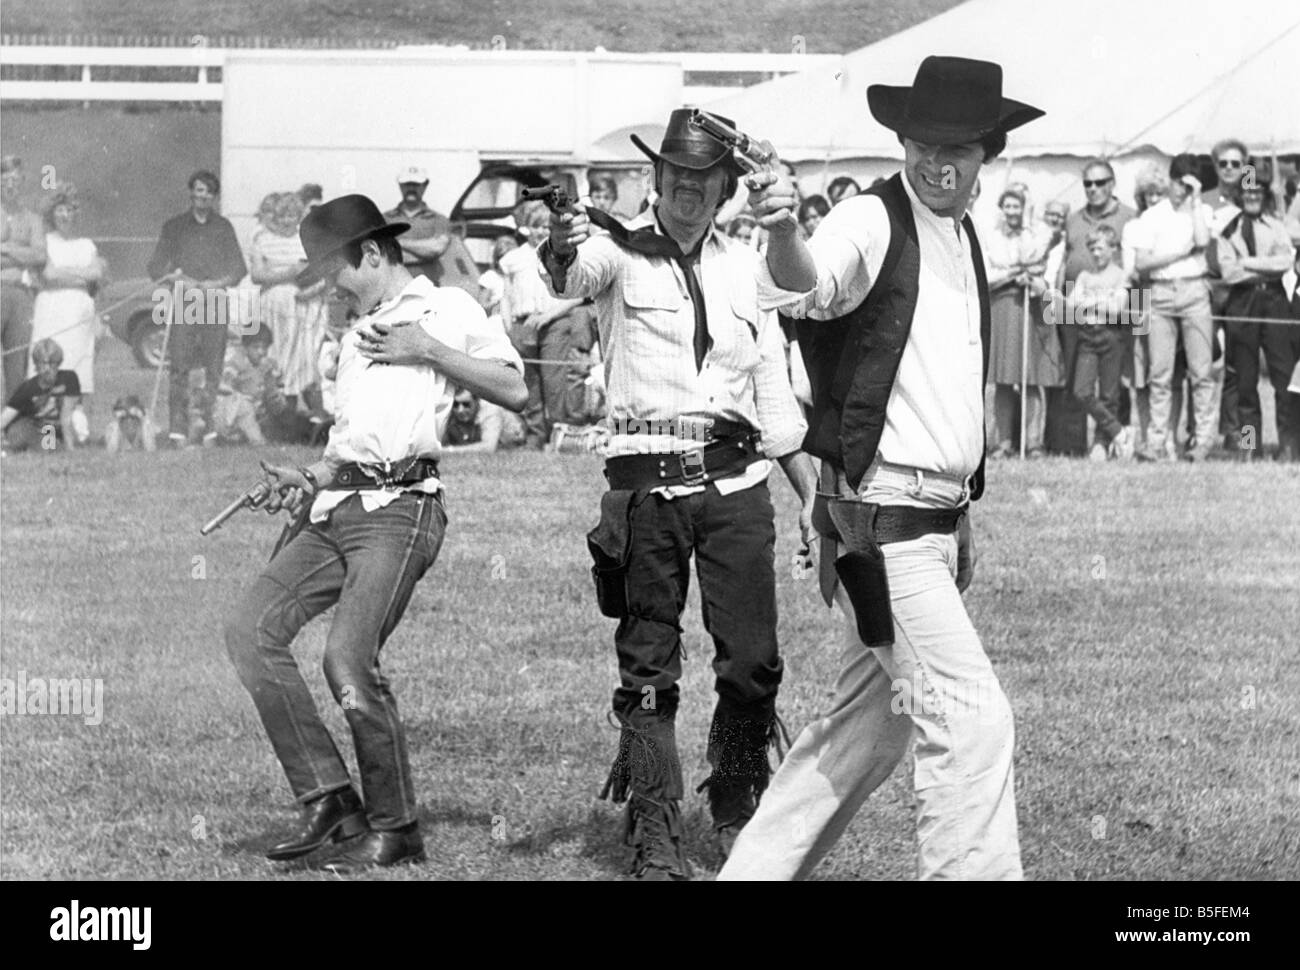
<point x="1024" y="373"/>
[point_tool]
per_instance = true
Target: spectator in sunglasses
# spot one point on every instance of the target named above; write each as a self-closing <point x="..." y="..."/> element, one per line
<point x="474" y="425"/>
<point x="1230" y="161"/>
<point x="1066" y="430"/>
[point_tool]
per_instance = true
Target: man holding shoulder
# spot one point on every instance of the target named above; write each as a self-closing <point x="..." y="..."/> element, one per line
<point x="896" y="334"/>
<point x="376" y="525"/>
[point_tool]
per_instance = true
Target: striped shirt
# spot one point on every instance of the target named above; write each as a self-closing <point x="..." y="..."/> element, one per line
<point x="647" y="328"/>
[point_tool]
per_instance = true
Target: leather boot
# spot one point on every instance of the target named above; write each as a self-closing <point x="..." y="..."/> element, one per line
<point x="379" y="850"/>
<point x="335" y="816"/>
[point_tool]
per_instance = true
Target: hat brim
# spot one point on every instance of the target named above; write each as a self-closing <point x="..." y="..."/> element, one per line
<point x="312" y="273"/>
<point x="695" y="161"/>
<point x="888" y="104"/>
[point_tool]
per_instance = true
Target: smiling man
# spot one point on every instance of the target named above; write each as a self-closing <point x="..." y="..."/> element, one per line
<point x="199" y="251"/>
<point x="898" y="271"/>
<point x="699" y="406"/>
<point x="375" y="526"/>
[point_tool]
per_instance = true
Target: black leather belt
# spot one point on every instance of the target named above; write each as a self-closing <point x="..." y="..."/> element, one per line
<point x="1259" y="285"/>
<point x="722" y="459"/>
<point x="902" y="523"/>
<point x="409" y="471"/>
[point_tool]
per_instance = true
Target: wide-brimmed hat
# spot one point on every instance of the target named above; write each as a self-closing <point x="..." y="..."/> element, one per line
<point x="330" y="227"/>
<point x="953" y="101"/>
<point x="688" y="146"/>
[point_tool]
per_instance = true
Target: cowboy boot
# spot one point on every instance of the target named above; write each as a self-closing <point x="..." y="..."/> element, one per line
<point x="648" y="775"/>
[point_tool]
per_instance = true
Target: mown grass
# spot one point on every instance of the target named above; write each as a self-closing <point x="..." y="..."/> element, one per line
<point x="827" y="26"/>
<point x="1142" y="620"/>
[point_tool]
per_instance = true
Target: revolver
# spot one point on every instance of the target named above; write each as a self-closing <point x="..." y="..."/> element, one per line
<point x="251" y="499"/>
<point x="555" y="197"/>
<point x="751" y="155"/>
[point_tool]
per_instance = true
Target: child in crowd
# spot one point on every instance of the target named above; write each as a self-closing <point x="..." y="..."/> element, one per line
<point x="1096" y="305"/>
<point x="45" y="412"/>
<point x="250" y="402"/>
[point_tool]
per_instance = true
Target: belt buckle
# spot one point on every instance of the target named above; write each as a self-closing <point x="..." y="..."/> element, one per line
<point x="692" y="466"/>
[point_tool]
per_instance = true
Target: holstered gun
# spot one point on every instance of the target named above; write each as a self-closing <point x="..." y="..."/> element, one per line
<point x="862" y="571"/>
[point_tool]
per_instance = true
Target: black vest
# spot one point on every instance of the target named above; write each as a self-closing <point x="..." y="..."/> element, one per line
<point x="852" y="361"/>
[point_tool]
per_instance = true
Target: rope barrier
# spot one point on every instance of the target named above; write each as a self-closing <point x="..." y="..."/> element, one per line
<point x="93" y="315"/>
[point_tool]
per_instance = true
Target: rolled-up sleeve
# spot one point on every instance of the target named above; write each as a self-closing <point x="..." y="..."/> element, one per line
<point x="591" y="271"/>
<point x="779" y="415"/>
<point x="484" y="337"/>
<point x="848" y="250"/>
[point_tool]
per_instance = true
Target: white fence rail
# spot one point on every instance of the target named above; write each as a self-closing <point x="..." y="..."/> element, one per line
<point x="193" y="73"/>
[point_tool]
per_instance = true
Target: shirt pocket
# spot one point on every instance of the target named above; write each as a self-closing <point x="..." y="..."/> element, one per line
<point x="654" y="309"/>
<point x="742" y="327"/>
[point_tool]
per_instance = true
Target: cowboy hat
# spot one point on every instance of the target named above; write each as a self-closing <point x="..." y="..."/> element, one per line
<point x="686" y="146"/>
<point x="332" y="226"/>
<point x="953" y="101"/>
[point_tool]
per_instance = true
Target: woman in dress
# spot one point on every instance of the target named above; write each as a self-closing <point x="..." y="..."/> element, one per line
<point x="1015" y="257"/>
<point x="65" y="307"/>
<point x="296" y="316"/>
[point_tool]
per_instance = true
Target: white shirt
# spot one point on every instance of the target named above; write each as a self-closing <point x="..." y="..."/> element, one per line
<point x="522" y="290"/>
<point x="385" y="413"/>
<point x="1163" y="230"/>
<point x="934" y="419"/>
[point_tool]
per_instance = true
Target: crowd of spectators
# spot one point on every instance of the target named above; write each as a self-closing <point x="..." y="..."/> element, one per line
<point x="1107" y="318"/>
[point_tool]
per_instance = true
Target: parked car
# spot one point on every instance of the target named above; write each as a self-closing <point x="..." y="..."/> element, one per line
<point x="486" y="208"/>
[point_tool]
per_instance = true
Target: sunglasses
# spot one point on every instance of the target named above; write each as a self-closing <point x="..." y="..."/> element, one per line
<point x="1229" y="163"/>
<point x="1096" y="183"/>
<point x="463" y="404"/>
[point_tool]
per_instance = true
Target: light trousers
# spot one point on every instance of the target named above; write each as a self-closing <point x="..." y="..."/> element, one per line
<point x="1182" y="307"/>
<point x="935" y="692"/>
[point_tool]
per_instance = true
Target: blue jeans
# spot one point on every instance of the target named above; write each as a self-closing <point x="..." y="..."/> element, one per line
<point x="368" y="563"/>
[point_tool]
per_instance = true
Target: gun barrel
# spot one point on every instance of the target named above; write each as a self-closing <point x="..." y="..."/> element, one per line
<point x="718" y="129"/>
<point x="253" y="497"/>
<point x="737" y="140"/>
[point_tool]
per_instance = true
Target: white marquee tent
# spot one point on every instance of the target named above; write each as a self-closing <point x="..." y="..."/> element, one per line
<point x="1134" y="79"/>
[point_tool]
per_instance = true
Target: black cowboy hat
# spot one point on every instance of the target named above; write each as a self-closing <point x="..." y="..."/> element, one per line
<point x="687" y="146"/>
<point x="954" y="100"/>
<point x="330" y="227"/>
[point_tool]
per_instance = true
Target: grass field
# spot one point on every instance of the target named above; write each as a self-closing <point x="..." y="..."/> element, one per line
<point x="1143" y="621"/>
<point x="828" y="26"/>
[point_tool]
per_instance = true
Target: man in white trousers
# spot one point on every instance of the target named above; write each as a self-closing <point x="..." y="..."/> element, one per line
<point x="891" y="304"/>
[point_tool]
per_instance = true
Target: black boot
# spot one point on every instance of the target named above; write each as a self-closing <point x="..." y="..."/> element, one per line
<point x="335" y="816"/>
<point x="648" y="774"/>
<point x="738" y="744"/>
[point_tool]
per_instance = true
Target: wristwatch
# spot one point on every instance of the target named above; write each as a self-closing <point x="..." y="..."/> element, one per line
<point x="308" y="474"/>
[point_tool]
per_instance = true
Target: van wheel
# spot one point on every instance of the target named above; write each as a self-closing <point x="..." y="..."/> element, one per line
<point x="147" y="340"/>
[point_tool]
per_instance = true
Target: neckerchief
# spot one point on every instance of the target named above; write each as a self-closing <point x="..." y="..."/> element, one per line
<point x="647" y="242"/>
